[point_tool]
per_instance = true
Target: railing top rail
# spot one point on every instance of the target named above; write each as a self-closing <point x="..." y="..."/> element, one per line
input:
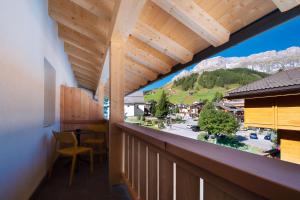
<point x="264" y="176"/>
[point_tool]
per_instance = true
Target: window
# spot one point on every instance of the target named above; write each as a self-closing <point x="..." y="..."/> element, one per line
<point x="49" y="93"/>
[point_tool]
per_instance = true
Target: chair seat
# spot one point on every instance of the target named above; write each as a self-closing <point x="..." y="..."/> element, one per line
<point x="93" y="141"/>
<point x="74" y="150"/>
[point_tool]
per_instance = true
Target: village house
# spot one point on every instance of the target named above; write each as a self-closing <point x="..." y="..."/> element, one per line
<point x="134" y="104"/>
<point x="274" y="102"/>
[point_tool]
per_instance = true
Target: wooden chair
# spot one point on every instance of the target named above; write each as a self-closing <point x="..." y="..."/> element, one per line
<point x="96" y="138"/>
<point x="69" y="138"/>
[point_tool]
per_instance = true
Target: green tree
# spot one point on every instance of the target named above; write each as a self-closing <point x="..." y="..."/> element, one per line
<point x="218" y="97"/>
<point x="153" y="107"/>
<point x="162" y="108"/>
<point x="215" y="122"/>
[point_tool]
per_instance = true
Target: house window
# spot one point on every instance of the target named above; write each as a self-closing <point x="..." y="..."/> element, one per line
<point x="49" y="93"/>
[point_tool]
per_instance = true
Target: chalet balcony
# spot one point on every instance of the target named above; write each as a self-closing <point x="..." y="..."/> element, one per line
<point x="59" y="59"/>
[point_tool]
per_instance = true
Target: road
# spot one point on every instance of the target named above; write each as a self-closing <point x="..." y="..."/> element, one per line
<point x="183" y="130"/>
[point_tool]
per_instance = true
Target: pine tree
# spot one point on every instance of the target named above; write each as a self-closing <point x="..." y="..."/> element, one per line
<point x="162" y="108"/>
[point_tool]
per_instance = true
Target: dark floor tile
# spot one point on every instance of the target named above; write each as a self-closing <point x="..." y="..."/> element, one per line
<point x="85" y="186"/>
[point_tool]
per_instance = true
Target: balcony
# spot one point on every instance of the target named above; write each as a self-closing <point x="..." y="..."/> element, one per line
<point x="59" y="58"/>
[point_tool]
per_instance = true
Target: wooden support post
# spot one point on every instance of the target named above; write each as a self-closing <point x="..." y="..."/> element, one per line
<point x="116" y="110"/>
<point x="101" y="99"/>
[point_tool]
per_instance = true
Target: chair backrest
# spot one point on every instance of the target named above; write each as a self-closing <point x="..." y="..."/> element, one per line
<point x="68" y="138"/>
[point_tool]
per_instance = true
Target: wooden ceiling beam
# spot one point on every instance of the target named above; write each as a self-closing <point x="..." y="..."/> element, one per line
<point x="136" y="73"/>
<point x="134" y="79"/>
<point x="79" y="19"/>
<point x="100" y="8"/>
<point x="134" y="66"/>
<point x="285" y="5"/>
<point x="196" y="19"/>
<point x="79" y="40"/>
<point x="82" y="78"/>
<point x="85" y="73"/>
<point x="92" y="71"/>
<point x="81" y="63"/>
<point x="125" y="18"/>
<point x="76" y="52"/>
<point x="162" y="43"/>
<point x="143" y="57"/>
<point x="131" y="86"/>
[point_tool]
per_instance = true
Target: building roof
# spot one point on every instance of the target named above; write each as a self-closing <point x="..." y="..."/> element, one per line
<point x="135" y="98"/>
<point x="285" y="82"/>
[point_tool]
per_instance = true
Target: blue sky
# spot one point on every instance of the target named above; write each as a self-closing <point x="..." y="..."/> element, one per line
<point x="278" y="38"/>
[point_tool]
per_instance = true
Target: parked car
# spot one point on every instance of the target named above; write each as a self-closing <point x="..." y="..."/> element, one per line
<point x="267" y="137"/>
<point x="253" y="136"/>
<point x="195" y="128"/>
<point x="189" y="126"/>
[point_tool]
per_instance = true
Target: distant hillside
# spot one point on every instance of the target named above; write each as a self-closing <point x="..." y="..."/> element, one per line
<point x="196" y="87"/>
<point x="219" y="78"/>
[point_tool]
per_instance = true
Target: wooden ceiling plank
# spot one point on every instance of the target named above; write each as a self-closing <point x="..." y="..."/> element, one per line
<point x="147" y="59"/>
<point x="196" y="19"/>
<point x="79" y="19"/>
<point x="162" y="43"/>
<point x="285" y="5"/>
<point x="85" y="73"/>
<point x="102" y="8"/>
<point x="81" y="63"/>
<point x="145" y="47"/>
<point x="136" y="73"/>
<point x="79" y="40"/>
<point x="92" y="71"/>
<point x="83" y="78"/>
<point x="134" y="78"/>
<point x="76" y="52"/>
<point x="134" y="66"/>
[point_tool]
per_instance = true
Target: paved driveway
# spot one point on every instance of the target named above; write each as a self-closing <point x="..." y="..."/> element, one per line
<point x="182" y="129"/>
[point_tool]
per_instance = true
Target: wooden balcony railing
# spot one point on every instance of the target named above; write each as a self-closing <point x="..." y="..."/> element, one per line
<point x="158" y="165"/>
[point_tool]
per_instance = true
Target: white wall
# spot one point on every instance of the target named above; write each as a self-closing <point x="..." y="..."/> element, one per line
<point x="27" y="36"/>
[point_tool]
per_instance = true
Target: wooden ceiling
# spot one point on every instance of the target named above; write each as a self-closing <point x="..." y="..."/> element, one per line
<point x="167" y="32"/>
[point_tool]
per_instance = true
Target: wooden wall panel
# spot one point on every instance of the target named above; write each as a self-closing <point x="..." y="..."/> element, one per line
<point x="282" y="112"/>
<point x="78" y="109"/>
<point x="288" y="109"/>
<point x="290" y="146"/>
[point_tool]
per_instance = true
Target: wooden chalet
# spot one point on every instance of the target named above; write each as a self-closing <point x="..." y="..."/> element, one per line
<point x="274" y="102"/>
<point x="60" y="58"/>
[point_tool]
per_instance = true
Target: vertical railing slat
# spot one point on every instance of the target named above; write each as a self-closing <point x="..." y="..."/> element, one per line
<point x="165" y="178"/>
<point x="143" y="175"/>
<point x="152" y="175"/>
<point x="136" y="166"/>
<point x="187" y="185"/>
<point x="130" y="159"/>
<point x="126" y="155"/>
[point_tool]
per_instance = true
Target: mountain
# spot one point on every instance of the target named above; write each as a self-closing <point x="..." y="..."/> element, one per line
<point x="269" y="62"/>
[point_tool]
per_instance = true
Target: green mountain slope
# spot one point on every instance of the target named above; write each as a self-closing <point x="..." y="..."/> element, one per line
<point x="204" y="87"/>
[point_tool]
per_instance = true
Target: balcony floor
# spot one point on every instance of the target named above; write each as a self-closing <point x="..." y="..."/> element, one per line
<point x="85" y="186"/>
